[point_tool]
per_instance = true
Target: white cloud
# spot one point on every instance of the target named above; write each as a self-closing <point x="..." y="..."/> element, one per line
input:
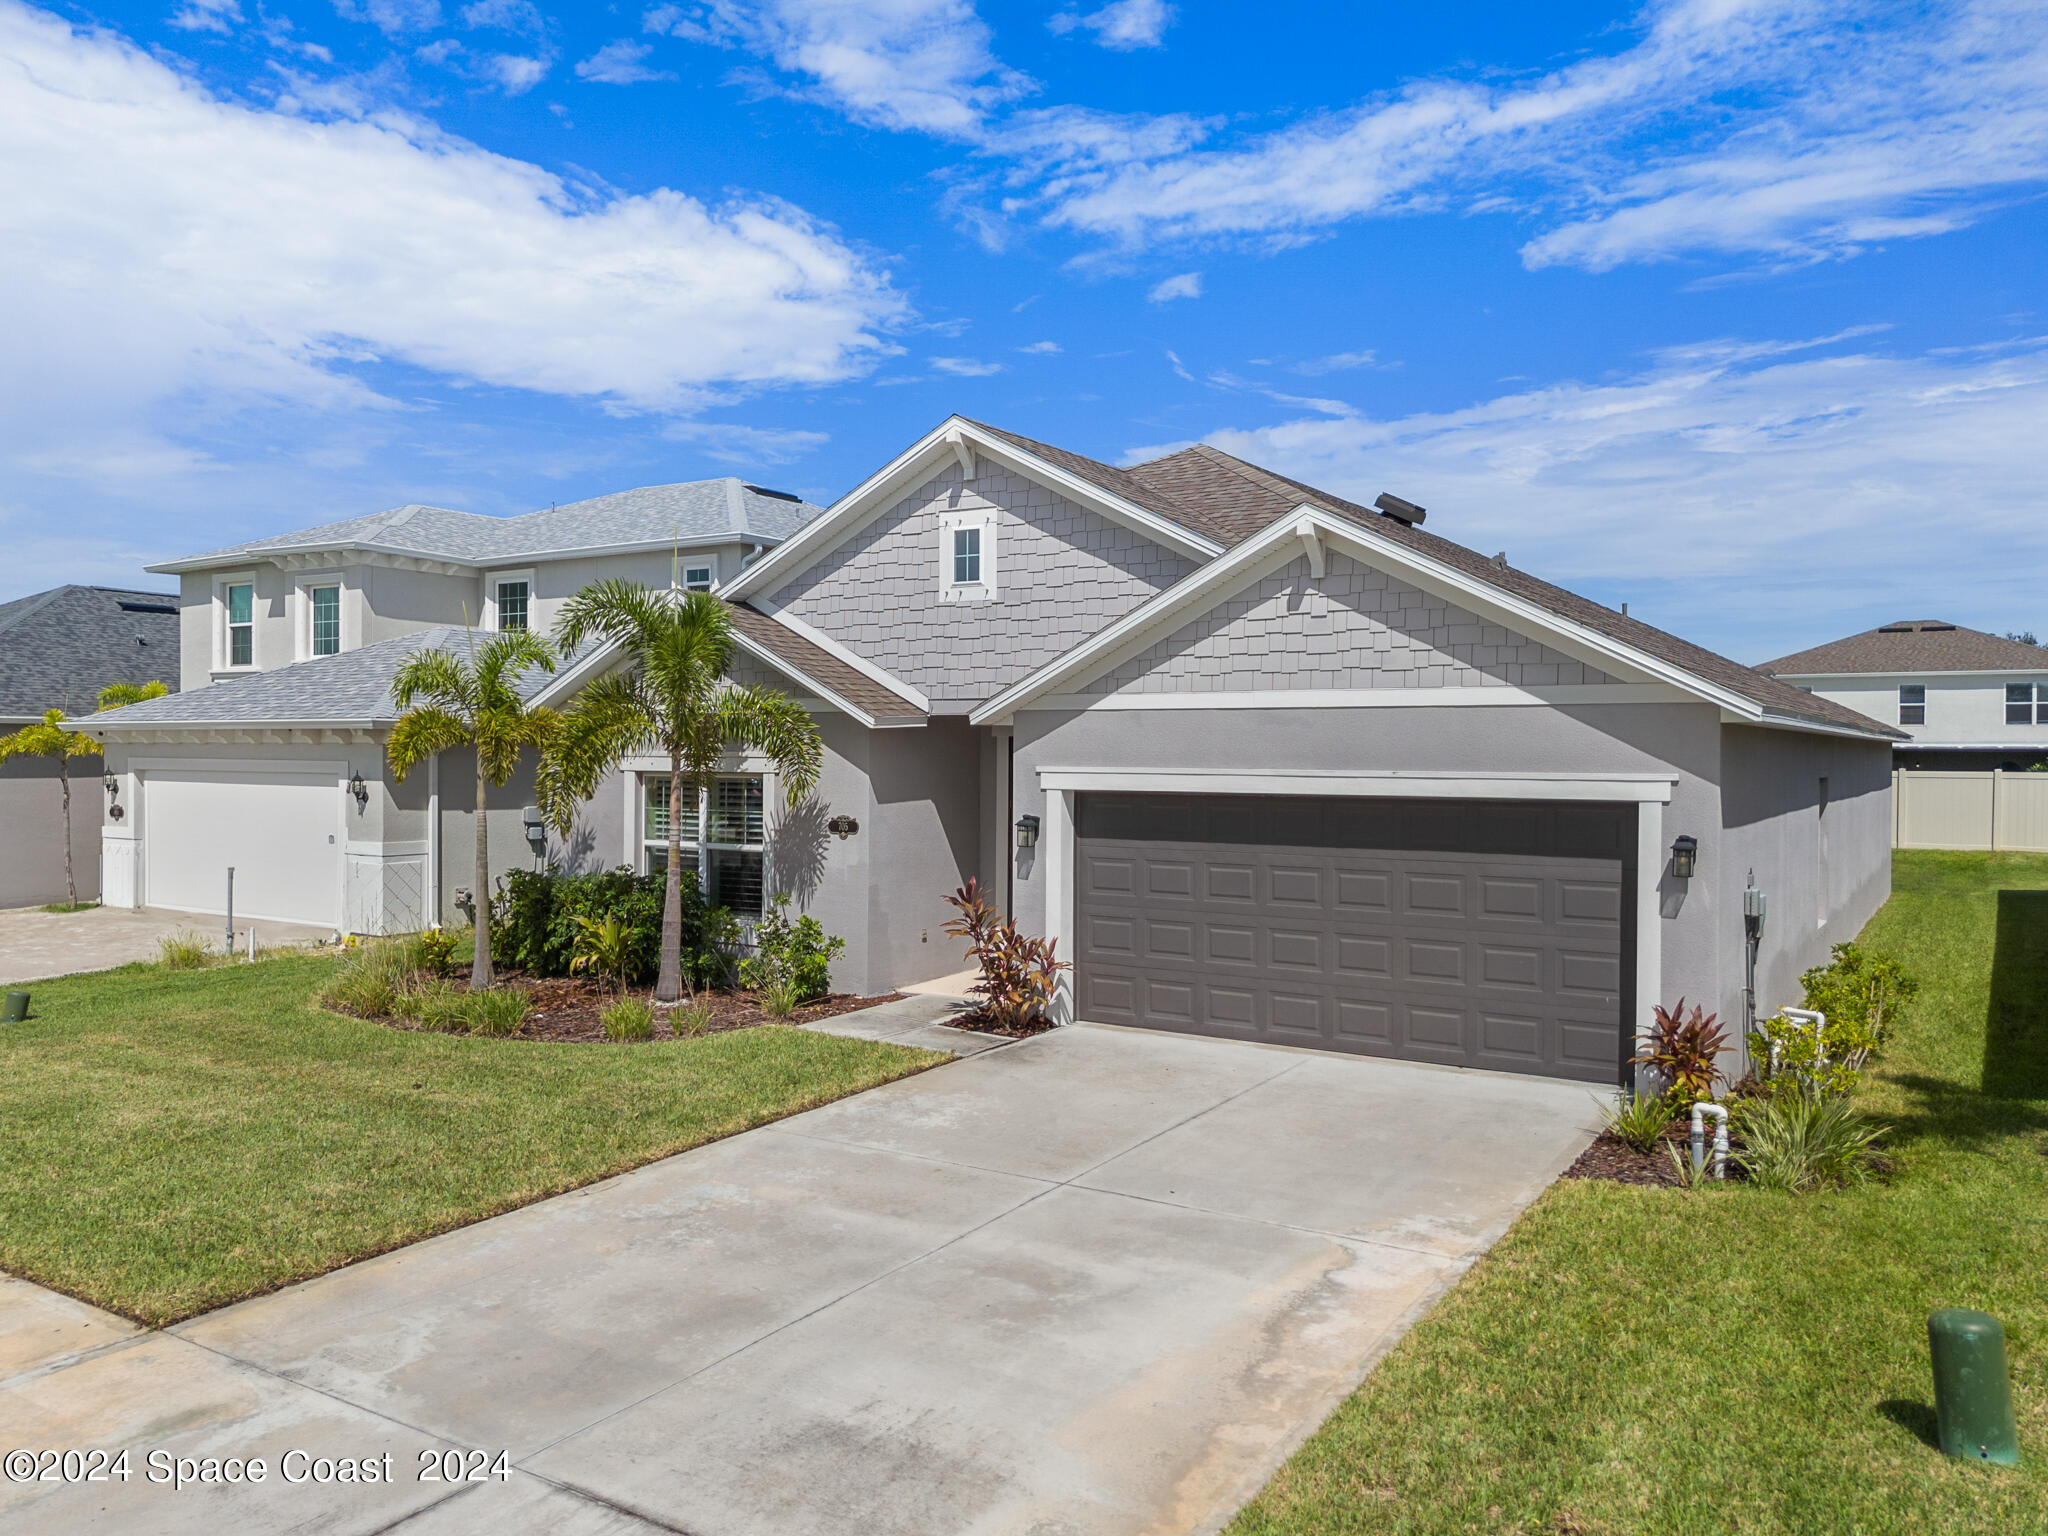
<point x="1188" y="285"/>
<point x="392" y="17"/>
<point x="1771" y="496"/>
<point x="966" y="367"/>
<point x="505" y="16"/>
<point x="1796" y="130"/>
<point x="1122" y="24"/>
<point x="206" y="16"/>
<point x="1336" y="362"/>
<point x="732" y="443"/>
<point x="176" y="258"/>
<point x="920" y="65"/>
<point x="1041" y="348"/>
<point x="516" y="73"/>
<point x="620" y="62"/>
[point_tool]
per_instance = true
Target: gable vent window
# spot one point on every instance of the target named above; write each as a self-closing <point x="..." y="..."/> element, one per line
<point x="1912" y="703"/>
<point x="2020" y="708"/>
<point x="241" y="601"/>
<point x="326" y="621"/>
<point x="512" y="602"/>
<point x="967" y="556"/>
<point x="696" y="578"/>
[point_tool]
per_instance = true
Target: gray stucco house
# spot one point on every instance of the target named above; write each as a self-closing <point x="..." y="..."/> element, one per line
<point x="1268" y="764"/>
<point x="58" y="649"/>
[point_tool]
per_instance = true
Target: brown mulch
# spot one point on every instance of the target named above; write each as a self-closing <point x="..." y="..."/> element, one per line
<point x="1614" y="1160"/>
<point x="569" y="1009"/>
<point x="985" y="1022"/>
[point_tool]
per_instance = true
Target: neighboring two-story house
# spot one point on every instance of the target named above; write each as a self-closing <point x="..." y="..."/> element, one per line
<point x="1963" y="699"/>
<point x="1266" y="763"/>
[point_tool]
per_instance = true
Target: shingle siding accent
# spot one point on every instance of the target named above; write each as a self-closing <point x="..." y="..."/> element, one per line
<point x="1357" y="628"/>
<point x="1062" y="572"/>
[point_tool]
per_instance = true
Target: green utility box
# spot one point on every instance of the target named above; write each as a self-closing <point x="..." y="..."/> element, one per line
<point x="16" y="1009"/>
<point x="1972" y="1395"/>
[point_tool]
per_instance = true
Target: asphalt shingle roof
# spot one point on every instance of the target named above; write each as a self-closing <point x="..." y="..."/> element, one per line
<point x="1217" y="494"/>
<point x="1914" y="645"/>
<point x="652" y="514"/>
<point x="59" y="648"/>
<point x="814" y="661"/>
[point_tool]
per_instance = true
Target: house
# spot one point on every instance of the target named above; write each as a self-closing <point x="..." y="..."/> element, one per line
<point x="58" y="649"/>
<point x="1962" y="699"/>
<point x="1267" y="764"/>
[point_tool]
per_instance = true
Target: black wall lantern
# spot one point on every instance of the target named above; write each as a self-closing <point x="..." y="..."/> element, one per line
<point x="1027" y="831"/>
<point x="360" y="790"/>
<point x="842" y="827"/>
<point x="111" y="783"/>
<point x="1685" y="857"/>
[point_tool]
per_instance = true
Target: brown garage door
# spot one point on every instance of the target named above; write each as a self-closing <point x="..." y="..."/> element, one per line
<point x="1477" y="934"/>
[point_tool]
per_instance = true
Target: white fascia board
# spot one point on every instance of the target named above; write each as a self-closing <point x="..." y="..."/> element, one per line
<point x="1392" y="783"/>
<point x="100" y="729"/>
<point x="1771" y="720"/>
<point x="1278" y="542"/>
<point x="859" y="663"/>
<point x="873" y="495"/>
<point x="1991" y="675"/>
<point x="1555" y="696"/>
<point x="279" y="553"/>
<point x="571" y="678"/>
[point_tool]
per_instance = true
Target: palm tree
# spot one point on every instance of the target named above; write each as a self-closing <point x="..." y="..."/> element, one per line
<point x="453" y="702"/>
<point x="45" y="739"/>
<point x="672" y="698"/>
<point x="114" y="695"/>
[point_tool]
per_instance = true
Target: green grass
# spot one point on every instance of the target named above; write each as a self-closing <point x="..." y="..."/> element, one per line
<point x="172" y="1141"/>
<point x="77" y="906"/>
<point x="1631" y="1360"/>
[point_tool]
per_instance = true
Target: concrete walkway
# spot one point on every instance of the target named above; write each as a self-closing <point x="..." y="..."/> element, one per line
<point x="1100" y="1281"/>
<point x="35" y="944"/>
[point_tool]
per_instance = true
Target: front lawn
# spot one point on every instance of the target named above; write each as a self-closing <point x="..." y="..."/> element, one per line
<point x="1644" y="1360"/>
<point x="172" y="1141"/>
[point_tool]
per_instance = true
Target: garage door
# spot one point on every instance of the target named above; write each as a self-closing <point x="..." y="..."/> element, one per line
<point x="280" y="831"/>
<point x="1476" y="934"/>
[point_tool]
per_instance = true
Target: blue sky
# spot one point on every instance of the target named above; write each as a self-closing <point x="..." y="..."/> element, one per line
<point x="1734" y="310"/>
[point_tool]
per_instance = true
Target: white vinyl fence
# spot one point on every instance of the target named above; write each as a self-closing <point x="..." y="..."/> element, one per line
<point x="1936" y="809"/>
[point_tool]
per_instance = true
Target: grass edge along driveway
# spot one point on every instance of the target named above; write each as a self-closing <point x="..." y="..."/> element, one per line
<point x="171" y="1142"/>
<point x="1633" y="1360"/>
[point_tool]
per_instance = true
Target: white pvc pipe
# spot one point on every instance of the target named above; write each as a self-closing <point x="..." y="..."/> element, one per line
<point x="1818" y="1023"/>
<point x="1699" y="1138"/>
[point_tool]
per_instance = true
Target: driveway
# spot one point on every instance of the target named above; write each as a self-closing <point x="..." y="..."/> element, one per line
<point x="35" y="944"/>
<point x="1102" y="1281"/>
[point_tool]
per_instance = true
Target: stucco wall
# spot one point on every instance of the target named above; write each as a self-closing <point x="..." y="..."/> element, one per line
<point x="32" y="830"/>
<point x="1824" y="873"/>
<point x="1062" y="573"/>
<point x="1353" y="628"/>
<point x="1960" y="708"/>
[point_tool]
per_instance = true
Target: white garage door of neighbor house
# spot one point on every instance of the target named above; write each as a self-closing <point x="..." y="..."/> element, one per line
<point x="281" y="832"/>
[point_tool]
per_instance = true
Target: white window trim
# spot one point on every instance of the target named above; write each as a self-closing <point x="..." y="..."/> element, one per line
<point x="982" y="519"/>
<point x="221" y="583"/>
<point x="302" y="611"/>
<point x="492" y="581"/>
<point x="637" y="770"/>
<point x="707" y="563"/>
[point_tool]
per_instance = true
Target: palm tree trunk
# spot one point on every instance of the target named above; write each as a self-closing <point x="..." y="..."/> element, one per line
<point x="70" y="882"/>
<point x="668" y="986"/>
<point x="480" y="972"/>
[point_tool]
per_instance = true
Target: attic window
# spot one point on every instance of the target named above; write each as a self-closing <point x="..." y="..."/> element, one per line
<point x="148" y="608"/>
<point x="967" y="557"/>
<point x="762" y="490"/>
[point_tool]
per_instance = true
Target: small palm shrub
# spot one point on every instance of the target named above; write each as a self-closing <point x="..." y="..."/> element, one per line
<point x="183" y="951"/>
<point x="781" y="997"/>
<point x="1019" y="974"/>
<point x="630" y="1018"/>
<point x="1684" y="1052"/>
<point x="606" y="946"/>
<point x="1639" y="1120"/>
<point x="496" y="1013"/>
<point x="797" y="955"/>
<point x="1797" y="1142"/>
<point x="691" y="1021"/>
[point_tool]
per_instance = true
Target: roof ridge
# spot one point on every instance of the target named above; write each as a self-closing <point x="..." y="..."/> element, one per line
<point x="34" y="603"/>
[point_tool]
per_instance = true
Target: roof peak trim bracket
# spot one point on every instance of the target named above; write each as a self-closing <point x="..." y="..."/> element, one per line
<point x="1311" y="544"/>
<point x="963" y="453"/>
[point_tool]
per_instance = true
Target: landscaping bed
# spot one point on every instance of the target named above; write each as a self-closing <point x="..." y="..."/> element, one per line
<point x="569" y="1009"/>
<point x="1638" y="1359"/>
<point x="1614" y="1160"/>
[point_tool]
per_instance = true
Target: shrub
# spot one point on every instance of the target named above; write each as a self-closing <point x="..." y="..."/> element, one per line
<point x="793" y="955"/>
<point x="1684" y="1053"/>
<point x="433" y="1004"/>
<point x="781" y="997"/>
<point x="374" y="977"/>
<point x="692" y="1021"/>
<point x="628" y="1019"/>
<point x="436" y="948"/>
<point x="368" y="994"/>
<point x="1638" y="1119"/>
<point x="1798" y="1142"/>
<point x="541" y="911"/>
<point x="183" y="951"/>
<point x="497" y="1013"/>
<point x="605" y="946"/>
<point x="1862" y="991"/>
<point x="1018" y="973"/>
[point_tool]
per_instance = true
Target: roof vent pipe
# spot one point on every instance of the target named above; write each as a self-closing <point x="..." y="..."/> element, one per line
<point x="1405" y="513"/>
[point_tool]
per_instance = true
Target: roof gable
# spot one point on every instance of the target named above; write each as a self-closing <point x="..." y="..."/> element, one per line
<point x="1913" y="645"/>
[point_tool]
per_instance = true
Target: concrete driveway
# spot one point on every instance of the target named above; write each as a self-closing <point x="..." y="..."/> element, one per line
<point x="1102" y="1281"/>
<point x="35" y="944"/>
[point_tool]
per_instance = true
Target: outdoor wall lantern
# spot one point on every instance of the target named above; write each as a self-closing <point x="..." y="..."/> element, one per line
<point x="359" y="789"/>
<point x="111" y="783"/>
<point x="1685" y="857"/>
<point x="1027" y="831"/>
<point x="842" y="827"/>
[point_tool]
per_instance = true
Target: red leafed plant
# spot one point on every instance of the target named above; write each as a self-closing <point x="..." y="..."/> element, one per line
<point x="1018" y="972"/>
<point x="1684" y="1051"/>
